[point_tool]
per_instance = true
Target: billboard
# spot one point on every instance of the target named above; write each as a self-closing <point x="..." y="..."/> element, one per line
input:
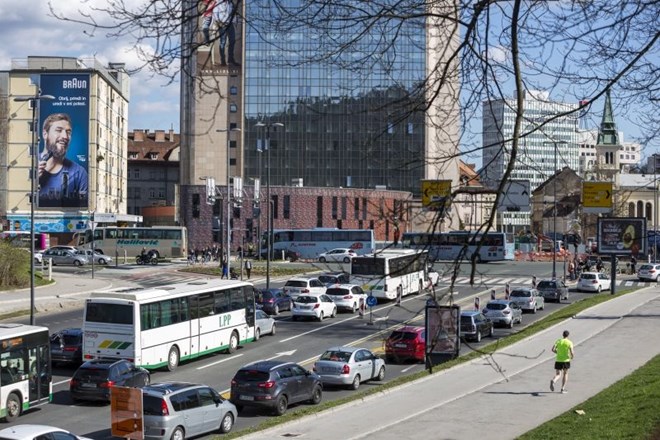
<point x="515" y="197"/>
<point x="621" y="236"/>
<point x="442" y="332"/>
<point x="64" y="141"/>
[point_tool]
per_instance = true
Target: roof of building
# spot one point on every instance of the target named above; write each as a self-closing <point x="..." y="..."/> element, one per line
<point x="158" y="145"/>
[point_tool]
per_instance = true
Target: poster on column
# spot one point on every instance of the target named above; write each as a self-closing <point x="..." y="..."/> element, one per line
<point x="64" y="141"/>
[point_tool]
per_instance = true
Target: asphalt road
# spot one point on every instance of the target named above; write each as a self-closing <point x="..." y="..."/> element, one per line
<point x="300" y="341"/>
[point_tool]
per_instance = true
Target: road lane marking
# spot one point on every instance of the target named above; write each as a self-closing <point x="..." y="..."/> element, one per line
<point x="61" y="382"/>
<point x="219" y="362"/>
<point x="405" y="370"/>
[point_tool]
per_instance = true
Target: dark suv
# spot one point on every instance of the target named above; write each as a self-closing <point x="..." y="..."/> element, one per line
<point x="93" y="380"/>
<point x="474" y="325"/>
<point x="275" y="385"/>
<point x="553" y="290"/>
<point x="177" y="410"/>
<point x="66" y="346"/>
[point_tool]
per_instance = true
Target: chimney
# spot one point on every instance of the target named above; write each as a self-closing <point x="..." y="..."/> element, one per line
<point x="138" y="135"/>
<point x="171" y="135"/>
<point x="160" y="135"/>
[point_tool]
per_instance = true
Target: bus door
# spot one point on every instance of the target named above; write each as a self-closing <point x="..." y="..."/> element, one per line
<point x="40" y="374"/>
<point x="250" y="294"/>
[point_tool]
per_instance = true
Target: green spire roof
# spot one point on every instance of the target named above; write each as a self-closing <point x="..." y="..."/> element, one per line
<point x="608" y="135"/>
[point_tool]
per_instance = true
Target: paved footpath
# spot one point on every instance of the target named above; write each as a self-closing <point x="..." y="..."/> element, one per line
<point x="506" y="395"/>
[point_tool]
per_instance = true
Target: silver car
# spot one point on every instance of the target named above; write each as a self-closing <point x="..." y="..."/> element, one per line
<point x="349" y="366"/>
<point x="265" y="325"/>
<point x="65" y="256"/>
<point x="99" y="258"/>
<point x="176" y="410"/>
<point x="502" y="311"/>
<point x="527" y="298"/>
<point x="31" y="432"/>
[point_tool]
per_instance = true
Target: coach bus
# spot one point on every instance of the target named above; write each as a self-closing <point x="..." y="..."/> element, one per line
<point x="391" y="273"/>
<point x="309" y="243"/>
<point x="25" y="370"/>
<point x="159" y="327"/>
<point x="165" y="241"/>
<point x="461" y="245"/>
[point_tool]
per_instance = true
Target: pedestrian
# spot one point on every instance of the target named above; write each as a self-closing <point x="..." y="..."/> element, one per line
<point x="477" y="302"/>
<point x="492" y="294"/>
<point x="599" y="265"/>
<point x="225" y="273"/>
<point x="534" y="282"/>
<point x="563" y="350"/>
<point x="571" y="270"/>
<point x="248" y="268"/>
<point x="507" y="291"/>
<point x="633" y="263"/>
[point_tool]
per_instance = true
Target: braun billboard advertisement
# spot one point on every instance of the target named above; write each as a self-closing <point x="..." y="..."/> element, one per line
<point x="64" y="141"/>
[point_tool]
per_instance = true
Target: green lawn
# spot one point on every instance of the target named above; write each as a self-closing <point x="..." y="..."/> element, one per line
<point x="629" y="409"/>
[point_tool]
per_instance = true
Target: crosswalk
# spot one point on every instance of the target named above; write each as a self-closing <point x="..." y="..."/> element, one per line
<point x="172" y="277"/>
<point x="525" y="281"/>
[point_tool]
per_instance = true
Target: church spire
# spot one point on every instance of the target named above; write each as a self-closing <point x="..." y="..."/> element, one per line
<point x="607" y="134"/>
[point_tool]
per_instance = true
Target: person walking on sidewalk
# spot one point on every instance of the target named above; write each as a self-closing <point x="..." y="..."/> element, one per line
<point x="248" y="268"/>
<point x="563" y="350"/>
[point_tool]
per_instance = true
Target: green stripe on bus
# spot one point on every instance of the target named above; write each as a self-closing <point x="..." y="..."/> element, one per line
<point x="124" y="345"/>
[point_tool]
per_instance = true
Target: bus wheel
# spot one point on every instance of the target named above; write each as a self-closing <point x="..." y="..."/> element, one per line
<point x="173" y="359"/>
<point x="13" y="408"/>
<point x="233" y="343"/>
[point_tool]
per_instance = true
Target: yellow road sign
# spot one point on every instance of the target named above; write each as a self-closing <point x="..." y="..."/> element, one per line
<point x="597" y="195"/>
<point x="435" y="193"/>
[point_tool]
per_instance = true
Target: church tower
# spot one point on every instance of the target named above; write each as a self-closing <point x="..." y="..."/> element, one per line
<point x="607" y="145"/>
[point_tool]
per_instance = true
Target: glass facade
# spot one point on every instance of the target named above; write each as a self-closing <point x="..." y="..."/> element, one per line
<point x="351" y="119"/>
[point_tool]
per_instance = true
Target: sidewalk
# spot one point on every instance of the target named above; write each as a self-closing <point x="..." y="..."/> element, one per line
<point x="506" y="395"/>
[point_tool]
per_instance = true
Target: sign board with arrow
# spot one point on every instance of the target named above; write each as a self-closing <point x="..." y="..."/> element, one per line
<point x="515" y="197"/>
<point x="436" y="194"/>
<point x="597" y="197"/>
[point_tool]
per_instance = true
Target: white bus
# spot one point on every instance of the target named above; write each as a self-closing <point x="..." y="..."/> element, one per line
<point x="454" y="245"/>
<point x="165" y="241"/>
<point x="25" y="370"/>
<point x="159" y="327"/>
<point x="309" y="243"/>
<point x="391" y="274"/>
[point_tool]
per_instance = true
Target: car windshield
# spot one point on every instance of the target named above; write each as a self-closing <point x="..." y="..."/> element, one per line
<point x="328" y="279"/>
<point x="547" y="285"/>
<point x="338" y="356"/>
<point x="521" y="293"/>
<point x="266" y="295"/>
<point x="646" y="267"/>
<point x="588" y="276"/>
<point x="296" y="284"/>
<point x="152" y="406"/>
<point x="336" y="291"/>
<point x="71" y="339"/>
<point x="304" y="299"/>
<point x="398" y="335"/>
<point x="466" y="320"/>
<point x="495" y="306"/>
<point x="252" y="376"/>
<point x="91" y="374"/>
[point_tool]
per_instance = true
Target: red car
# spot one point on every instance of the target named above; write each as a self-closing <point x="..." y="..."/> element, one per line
<point x="408" y="342"/>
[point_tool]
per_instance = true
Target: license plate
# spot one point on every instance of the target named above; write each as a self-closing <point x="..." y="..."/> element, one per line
<point x="88" y="385"/>
<point x="246" y="398"/>
<point x="305" y="307"/>
<point x="400" y="345"/>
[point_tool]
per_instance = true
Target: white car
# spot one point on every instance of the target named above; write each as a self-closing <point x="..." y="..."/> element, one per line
<point x="313" y="306"/>
<point x="593" y="282"/>
<point x="38" y="257"/>
<point x="648" y="272"/>
<point x="264" y="325"/>
<point x="32" y="432"/>
<point x="303" y="286"/>
<point x="347" y="296"/>
<point x="342" y="255"/>
<point x="434" y="277"/>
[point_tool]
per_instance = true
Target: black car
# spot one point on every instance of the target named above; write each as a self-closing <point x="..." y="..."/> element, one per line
<point x="66" y="346"/>
<point x="274" y="385"/>
<point x="332" y="278"/>
<point x="553" y="290"/>
<point x="93" y="380"/>
<point x="474" y="325"/>
<point x="273" y="301"/>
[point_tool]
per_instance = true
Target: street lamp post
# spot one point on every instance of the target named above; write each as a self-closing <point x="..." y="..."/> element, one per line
<point x="229" y="207"/>
<point x="34" y="102"/>
<point x="269" y="224"/>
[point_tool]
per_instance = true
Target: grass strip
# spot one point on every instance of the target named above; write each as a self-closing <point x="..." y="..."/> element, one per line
<point x="536" y="327"/>
<point x="629" y="409"/>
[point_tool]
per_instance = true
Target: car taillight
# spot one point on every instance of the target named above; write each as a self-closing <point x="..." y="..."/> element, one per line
<point x="485" y="311"/>
<point x="107" y="384"/>
<point x="316" y="306"/>
<point x="73" y="382"/>
<point x="270" y="300"/>
<point x="304" y="291"/>
<point x="69" y="349"/>
<point x="345" y="369"/>
<point x="348" y="297"/>
<point x="268" y="384"/>
<point x="594" y="282"/>
<point x="88" y="356"/>
<point x="163" y="408"/>
<point x="652" y="271"/>
<point x="506" y="312"/>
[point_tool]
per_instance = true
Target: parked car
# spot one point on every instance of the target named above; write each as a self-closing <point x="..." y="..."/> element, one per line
<point x="274" y="300"/>
<point x="316" y="306"/>
<point x="648" y="272"/>
<point x="93" y="379"/>
<point x="349" y="366"/>
<point x="408" y="342"/>
<point x="66" y="346"/>
<point x="504" y="312"/>
<point x="65" y="256"/>
<point x="331" y="278"/>
<point x="347" y="296"/>
<point x="593" y="282"/>
<point x="62" y="248"/>
<point x="276" y="254"/>
<point x="37" y="432"/>
<point x="342" y="255"/>
<point x="38" y="257"/>
<point x="302" y="286"/>
<point x="474" y="325"/>
<point x="553" y="290"/>
<point x="176" y="410"/>
<point x="265" y="325"/>
<point x="99" y="258"/>
<point x="275" y="385"/>
<point x="527" y="298"/>
<point x="433" y="276"/>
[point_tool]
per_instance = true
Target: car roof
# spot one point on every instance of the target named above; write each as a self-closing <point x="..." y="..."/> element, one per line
<point x="27" y="431"/>
<point x="302" y="278"/>
<point x="499" y="301"/>
<point x="169" y="387"/>
<point x="343" y="286"/>
<point x="70" y="331"/>
<point x="469" y="313"/>
<point x="101" y="363"/>
<point x="345" y="348"/>
<point x="265" y="365"/>
<point x="409" y="329"/>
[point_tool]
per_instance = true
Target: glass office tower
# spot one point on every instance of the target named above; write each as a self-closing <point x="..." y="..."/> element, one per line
<point x="354" y="119"/>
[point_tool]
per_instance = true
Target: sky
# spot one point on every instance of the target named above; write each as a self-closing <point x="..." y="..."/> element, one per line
<point x="154" y="104"/>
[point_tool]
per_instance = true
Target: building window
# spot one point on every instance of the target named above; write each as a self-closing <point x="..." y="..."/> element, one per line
<point x="334" y="208"/>
<point x="286" y="211"/>
<point x="152" y="193"/>
<point x="195" y="205"/>
<point x="276" y="206"/>
<point x="232" y="126"/>
<point x="161" y="193"/>
<point x="217" y="207"/>
<point x="233" y="90"/>
<point x="364" y="208"/>
<point x="339" y="224"/>
<point x="232" y="144"/>
<point x="319" y="212"/>
<point x="344" y="201"/>
<point x="132" y="155"/>
<point x="136" y="173"/>
<point x="356" y="207"/>
<point x="372" y="225"/>
<point x="233" y="108"/>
